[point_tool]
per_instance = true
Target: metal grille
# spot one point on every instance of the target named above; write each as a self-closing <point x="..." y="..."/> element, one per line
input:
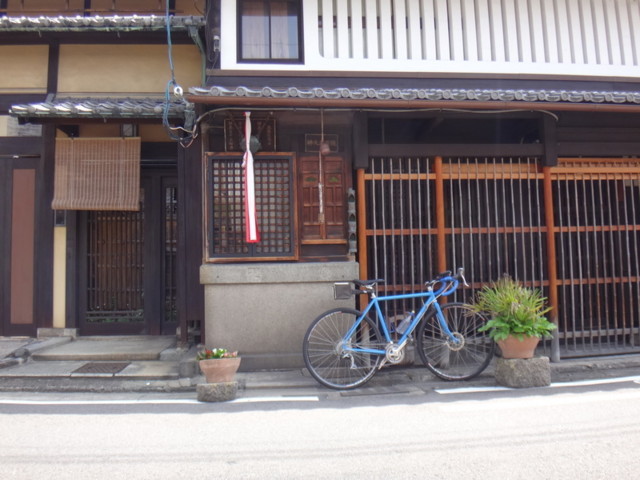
<point x="494" y="218"/>
<point x="597" y="225"/>
<point x="101" y="368"/>
<point x="571" y="230"/>
<point x="400" y="226"/>
<point x="274" y="203"/>
<point x="115" y="264"/>
<point x="430" y="215"/>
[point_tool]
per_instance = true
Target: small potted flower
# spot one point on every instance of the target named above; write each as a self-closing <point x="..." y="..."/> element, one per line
<point x="517" y="316"/>
<point x="218" y="364"/>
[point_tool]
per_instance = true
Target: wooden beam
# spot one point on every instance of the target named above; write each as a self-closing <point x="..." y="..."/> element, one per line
<point x="551" y="259"/>
<point x="363" y="253"/>
<point x="454" y="150"/>
<point x="360" y="140"/>
<point x="550" y="140"/>
<point x="440" y="216"/>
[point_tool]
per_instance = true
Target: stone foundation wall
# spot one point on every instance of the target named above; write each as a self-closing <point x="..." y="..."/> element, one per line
<point x="263" y="310"/>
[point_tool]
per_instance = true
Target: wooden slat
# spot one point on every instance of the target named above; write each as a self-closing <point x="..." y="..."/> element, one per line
<point x="429" y="42"/>
<point x="551" y="40"/>
<point x="415" y="32"/>
<point x="599" y="228"/>
<point x="537" y="28"/>
<point x="328" y="47"/>
<point x="592" y="172"/>
<point x="458" y="231"/>
<point x="399" y="176"/>
<point x="442" y="30"/>
<point x="600" y="32"/>
<point x="612" y="24"/>
<point x="588" y="34"/>
<point x="575" y="29"/>
<point x="371" y="11"/>
<point x="400" y="31"/>
<point x="598" y="281"/>
<point x="456" y="31"/>
<point x="386" y="31"/>
<point x="484" y="30"/>
<point x="511" y="33"/>
<point x="342" y="24"/>
<point x="469" y="26"/>
<point x="634" y="30"/>
<point x="357" y="29"/>
<point x="563" y="15"/>
<point x="498" y="37"/>
<point x="626" y="33"/>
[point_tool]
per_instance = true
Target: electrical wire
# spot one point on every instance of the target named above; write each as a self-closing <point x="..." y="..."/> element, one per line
<point x="181" y="134"/>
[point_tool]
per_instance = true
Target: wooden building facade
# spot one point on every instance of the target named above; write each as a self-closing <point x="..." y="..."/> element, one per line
<point x="392" y="140"/>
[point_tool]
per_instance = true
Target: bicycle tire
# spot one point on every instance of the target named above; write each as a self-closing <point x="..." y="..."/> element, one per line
<point x="323" y="356"/>
<point x="446" y="359"/>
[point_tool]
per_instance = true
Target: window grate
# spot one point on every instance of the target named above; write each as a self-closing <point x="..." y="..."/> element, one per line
<point x="274" y="204"/>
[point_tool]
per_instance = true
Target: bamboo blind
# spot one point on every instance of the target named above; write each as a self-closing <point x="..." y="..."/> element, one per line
<point x="97" y="174"/>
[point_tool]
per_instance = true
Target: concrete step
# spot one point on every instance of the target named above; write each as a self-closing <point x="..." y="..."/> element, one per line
<point x="138" y="348"/>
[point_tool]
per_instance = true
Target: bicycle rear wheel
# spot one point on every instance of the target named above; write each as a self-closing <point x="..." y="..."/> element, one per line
<point x="448" y="359"/>
<point x="324" y="354"/>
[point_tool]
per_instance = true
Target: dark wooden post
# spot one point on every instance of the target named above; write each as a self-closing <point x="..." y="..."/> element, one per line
<point x="551" y="261"/>
<point x="440" y="216"/>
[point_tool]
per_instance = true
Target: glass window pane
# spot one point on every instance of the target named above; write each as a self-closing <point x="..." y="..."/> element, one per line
<point x="269" y="30"/>
<point x="284" y="28"/>
<point x="254" y="32"/>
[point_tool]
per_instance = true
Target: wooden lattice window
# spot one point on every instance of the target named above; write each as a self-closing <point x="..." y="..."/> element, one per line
<point x="275" y="204"/>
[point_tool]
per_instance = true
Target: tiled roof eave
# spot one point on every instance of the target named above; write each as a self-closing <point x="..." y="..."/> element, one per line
<point x="98" y="23"/>
<point x="396" y="96"/>
<point x="100" y="108"/>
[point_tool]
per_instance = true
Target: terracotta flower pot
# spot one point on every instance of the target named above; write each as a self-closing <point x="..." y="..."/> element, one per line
<point x="512" y="347"/>
<point x="219" y="370"/>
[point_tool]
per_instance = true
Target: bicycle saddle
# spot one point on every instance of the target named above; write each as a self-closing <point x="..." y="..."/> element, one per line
<point x="367" y="283"/>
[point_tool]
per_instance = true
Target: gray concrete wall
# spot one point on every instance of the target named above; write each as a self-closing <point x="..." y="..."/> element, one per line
<point x="263" y="310"/>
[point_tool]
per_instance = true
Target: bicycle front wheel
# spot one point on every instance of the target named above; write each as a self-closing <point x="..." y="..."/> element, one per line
<point x="460" y="359"/>
<point x="327" y="354"/>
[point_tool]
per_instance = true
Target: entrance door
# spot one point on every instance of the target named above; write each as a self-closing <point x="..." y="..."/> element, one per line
<point x="128" y="274"/>
<point x="18" y="230"/>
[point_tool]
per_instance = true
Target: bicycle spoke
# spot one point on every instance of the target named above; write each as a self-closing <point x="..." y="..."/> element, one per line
<point x="328" y="354"/>
<point x="460" y="359"/>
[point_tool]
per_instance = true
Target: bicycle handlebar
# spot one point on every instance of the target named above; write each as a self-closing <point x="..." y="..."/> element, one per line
<point x="449" y="283"/>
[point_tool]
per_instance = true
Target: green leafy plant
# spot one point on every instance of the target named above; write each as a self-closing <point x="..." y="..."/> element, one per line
<point x="513" y="310"/>
<point x="209" y="353"/>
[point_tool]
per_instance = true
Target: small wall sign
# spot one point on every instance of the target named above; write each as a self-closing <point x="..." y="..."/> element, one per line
<point x="312" y="142"/>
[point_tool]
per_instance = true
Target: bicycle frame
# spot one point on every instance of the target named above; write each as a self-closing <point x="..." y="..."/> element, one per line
<point x="430" y="297"/>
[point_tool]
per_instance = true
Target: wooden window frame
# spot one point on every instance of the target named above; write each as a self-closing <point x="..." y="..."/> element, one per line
<point x="299" y="59"/>
<point x="252" y="252"/>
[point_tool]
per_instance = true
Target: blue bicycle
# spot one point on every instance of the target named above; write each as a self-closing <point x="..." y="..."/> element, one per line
<point x="344" y="348"/>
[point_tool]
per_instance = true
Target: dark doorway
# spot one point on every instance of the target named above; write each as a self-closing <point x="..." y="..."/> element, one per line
<point x="127" y="273"/>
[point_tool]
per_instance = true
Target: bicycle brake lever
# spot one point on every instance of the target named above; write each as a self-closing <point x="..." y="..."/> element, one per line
<point x="460" y="275"/>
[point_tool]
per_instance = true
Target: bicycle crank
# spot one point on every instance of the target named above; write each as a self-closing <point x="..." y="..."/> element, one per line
<point x="394" y="353"/>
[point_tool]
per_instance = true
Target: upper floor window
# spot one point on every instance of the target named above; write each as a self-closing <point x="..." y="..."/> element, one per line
<point x="270" y="30"/>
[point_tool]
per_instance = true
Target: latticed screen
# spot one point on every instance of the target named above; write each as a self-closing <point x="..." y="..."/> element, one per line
<point x="274" y="204"/>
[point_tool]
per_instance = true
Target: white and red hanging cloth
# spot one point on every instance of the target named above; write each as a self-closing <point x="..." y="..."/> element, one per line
<point x="252" y="235"/>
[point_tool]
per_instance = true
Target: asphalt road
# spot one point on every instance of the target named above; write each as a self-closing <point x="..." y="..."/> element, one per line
<point x="580" y="431"/>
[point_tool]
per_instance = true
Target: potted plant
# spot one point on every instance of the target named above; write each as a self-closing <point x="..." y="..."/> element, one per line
<point x="218" y="364"/>
<point x="516" y="316"/>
